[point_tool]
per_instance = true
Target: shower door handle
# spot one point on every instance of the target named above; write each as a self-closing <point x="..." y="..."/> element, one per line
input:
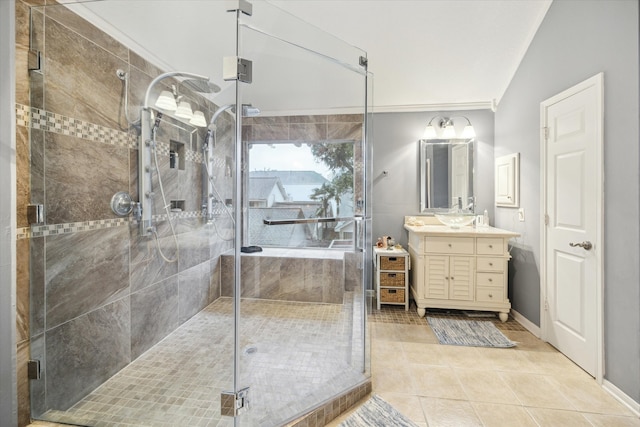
<point x="308" y="220"/>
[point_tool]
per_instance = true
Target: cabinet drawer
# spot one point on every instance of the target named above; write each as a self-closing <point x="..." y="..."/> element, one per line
<point x="490" y="264"/>
<point x="392" y="295"/>
<point x="392" y="279"/>
<point x="449" y="245"/>
<point x="490" y="294"/>
<point x="490" y="279"/>
<point x="392" y="263"/>
<point x="490" y="246"/>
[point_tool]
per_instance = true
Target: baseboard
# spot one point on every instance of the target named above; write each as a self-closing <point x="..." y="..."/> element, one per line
<point x="528" y="325"/>
<point x="622" y="397"/>
<point x="610" y="388"/>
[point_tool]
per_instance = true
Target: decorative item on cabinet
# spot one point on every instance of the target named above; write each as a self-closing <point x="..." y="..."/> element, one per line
<point x="392" y="276"/>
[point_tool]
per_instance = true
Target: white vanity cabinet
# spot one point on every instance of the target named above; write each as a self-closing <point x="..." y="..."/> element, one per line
<point x="463" y="269"/>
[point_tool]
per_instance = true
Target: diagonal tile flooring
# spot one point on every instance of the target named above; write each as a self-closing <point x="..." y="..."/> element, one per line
<point x="437" y="385"/>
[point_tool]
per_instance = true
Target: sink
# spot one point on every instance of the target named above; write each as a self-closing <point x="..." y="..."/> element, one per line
<point x="455" y="219"/>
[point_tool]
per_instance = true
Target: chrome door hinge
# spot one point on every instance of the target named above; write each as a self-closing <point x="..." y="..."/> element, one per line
<point x="364" y="62"/>
<point x="233" y="404"/>
<point x="35" y="214"/>
<point x="546" y="305"/>
<point x="236" y="68"/>
<point x="243" y="6"/>
<point x="546" y="132"/>
<point x="33" y="369"/>
<point x="546" y="219"/>
<point x="33" y="60"/>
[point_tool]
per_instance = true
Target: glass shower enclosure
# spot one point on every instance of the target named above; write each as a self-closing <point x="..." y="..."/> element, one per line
<point x="204" y="256"/>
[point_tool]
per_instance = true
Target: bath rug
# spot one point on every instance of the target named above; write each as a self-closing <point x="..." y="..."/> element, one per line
<point x="376" y="412"/>
<point x="473" y="333"/>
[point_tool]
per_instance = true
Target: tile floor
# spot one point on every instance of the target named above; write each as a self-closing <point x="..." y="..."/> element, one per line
<point x="437" y="385"/>
<point x="293" y="356"/>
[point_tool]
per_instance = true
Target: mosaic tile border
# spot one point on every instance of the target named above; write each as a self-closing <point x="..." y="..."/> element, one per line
<point x="48" y="121"/>
<point x="37" y="118"/>
<point x="36" y="231"/>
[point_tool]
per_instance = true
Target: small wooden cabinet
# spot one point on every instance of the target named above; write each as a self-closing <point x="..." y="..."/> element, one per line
<point x="462" y="269"/>
<point x="392" y="276"/>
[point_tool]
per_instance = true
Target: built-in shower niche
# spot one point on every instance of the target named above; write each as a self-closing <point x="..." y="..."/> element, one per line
<point x="176" y="155"/>
<point x="177" y="205"/>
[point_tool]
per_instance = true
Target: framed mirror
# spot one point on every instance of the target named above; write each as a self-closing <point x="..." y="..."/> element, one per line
<point x="446" y="174"/>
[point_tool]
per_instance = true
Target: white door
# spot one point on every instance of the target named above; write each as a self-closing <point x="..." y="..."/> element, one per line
<point x="572" y="184"/>
<point x="460" y="173"/>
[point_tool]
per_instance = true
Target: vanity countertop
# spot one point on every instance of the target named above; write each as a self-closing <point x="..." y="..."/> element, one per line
<point x="443" y="230"/>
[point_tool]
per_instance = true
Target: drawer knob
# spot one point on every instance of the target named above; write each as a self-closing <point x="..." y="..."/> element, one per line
<point x="490" y="264"/>
<point x="490" y="246"/>
<point x="490" y="279"/>
<point x="449" y="244"/>
<point x="490" y="295"/>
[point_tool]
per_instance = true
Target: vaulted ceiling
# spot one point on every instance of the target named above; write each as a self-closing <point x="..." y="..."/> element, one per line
<point x="424" y="54"/>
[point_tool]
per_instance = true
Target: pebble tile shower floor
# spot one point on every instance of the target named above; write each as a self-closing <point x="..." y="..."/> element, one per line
<point x="179" y="380"/>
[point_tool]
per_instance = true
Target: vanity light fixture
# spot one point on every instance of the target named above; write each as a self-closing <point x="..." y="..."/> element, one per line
<point x="447" y="128"/>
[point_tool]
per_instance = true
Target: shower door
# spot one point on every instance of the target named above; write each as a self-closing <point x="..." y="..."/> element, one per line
<point x="302" y="231"/>
<point x="127" y="323"/>
<point x="157" y="315"/>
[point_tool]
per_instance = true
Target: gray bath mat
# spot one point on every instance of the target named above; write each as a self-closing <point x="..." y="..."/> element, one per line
<point x="376" y="412"/>
<point x="473" y="333"/>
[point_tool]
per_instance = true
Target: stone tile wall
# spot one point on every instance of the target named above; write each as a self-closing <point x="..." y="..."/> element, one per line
<point x="286" y="278"/>
<point x="92" y="293"/>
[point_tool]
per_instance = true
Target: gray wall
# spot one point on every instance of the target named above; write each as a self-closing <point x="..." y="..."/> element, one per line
<point x="577" y="40"/>
<point x="395" y="149"/>
<point x="8" y="392"/>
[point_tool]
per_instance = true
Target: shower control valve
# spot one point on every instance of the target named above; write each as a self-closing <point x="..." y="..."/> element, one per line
<point x="150" y="194"/>
<point x="137" y="210"/>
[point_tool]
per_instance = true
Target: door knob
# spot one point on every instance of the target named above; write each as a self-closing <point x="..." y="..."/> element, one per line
<point x="585" y="245"/>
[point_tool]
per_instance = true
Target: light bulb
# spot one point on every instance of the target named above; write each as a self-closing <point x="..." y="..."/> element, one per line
<point x="198" y="119"/>
<point x="430" y="132"/>
<point x="166" y="101"/>
<point x="449" y="132"/>
<point x="468" y="132"/>
<point x="184" y="110"/>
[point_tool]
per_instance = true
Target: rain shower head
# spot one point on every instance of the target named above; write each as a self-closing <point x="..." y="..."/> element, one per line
<point x="201" y="85"/>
